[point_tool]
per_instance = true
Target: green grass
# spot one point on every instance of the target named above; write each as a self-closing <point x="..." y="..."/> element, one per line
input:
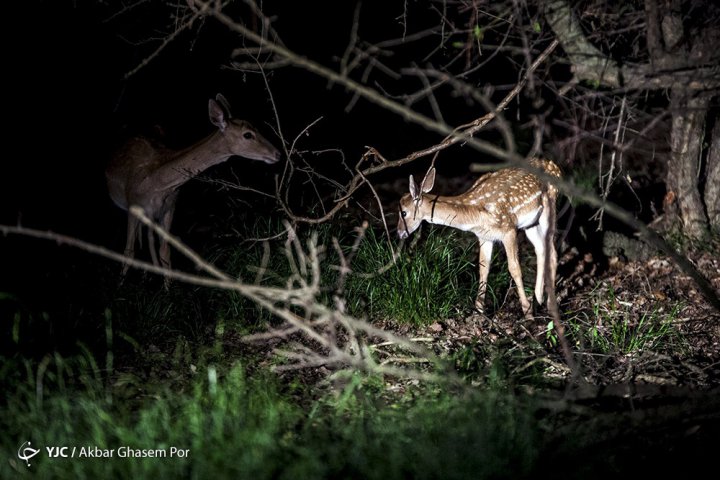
<point x="433" y="281"/>
<point x="621" y="328"/>
<point x="623" y="334"/>
<point x="428" y="283"/>
<point x="245" y="427"/>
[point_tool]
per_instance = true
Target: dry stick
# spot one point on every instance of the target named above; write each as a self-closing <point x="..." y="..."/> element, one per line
<point x="223" y="282"/>
<point x="382" y="211"/>
<point x="339" y="356"/>
<point x="165" y="235"/>
<point x="264" y="262"/>
<point x="236" y="185"/>
<point x="146" y="61"/>
<point x="611" y="172"/>
<point x="552" y="303"/>
<point x="104" y="252"/>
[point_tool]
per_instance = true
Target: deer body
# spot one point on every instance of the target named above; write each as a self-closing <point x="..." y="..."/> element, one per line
<point x="149" y="175"/>
<point x="494" y="209"/>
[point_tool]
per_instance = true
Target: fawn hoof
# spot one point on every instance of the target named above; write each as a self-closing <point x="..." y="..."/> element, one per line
<point x="528" y="312"/>
<point x="539" y="296"/>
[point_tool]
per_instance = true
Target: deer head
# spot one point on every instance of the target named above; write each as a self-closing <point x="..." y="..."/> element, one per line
<point x="411" y="204"/>
<point x="241" y="137"/>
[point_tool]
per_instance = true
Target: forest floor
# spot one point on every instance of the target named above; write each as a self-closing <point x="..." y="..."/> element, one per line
<point x="646" y="398"/>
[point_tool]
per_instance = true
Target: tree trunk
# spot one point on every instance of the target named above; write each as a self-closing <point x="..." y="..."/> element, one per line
<point x="683" y="170"/>
<point x="712" y="181"/>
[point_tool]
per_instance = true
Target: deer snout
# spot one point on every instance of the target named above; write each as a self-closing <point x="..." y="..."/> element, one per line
<point x="404" y="228"/>
<point x="272" y="157"/>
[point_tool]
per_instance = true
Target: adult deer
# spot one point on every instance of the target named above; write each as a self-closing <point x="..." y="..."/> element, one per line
<point x="149" y="175"/>
<point x="494" y="209"/>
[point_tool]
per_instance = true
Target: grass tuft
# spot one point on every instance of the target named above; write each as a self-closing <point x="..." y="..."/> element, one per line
<point x="618" y="327"/>
<point x="428" y="283"/>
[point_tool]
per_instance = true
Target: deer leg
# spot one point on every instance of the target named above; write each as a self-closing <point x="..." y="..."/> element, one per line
<point x="510" y="243"/>
<point x="486" y="249"/>
<point x="154" y="255"/>
<point x="151" y="246"/>
<point x="549" y="204"/>
<point x="536" y="235"/>
<point x="553" y="260"/>
<point x="165" y="223"/>
<point x="133" y="226"/>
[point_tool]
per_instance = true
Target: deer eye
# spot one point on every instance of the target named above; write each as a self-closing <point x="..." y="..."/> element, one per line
<point x="248" y="135"/>
<point x="403" y="213"/>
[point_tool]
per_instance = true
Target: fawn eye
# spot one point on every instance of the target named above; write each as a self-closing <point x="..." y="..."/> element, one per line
<point x="403" y="213"/>
<point x="248" y="135"/>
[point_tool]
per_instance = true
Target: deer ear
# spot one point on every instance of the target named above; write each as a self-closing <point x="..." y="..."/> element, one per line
<point x="220" y="99"/>
<point x="217" y="115"/>
<point x="413" y="189"/>
<point x="429" y="180"/>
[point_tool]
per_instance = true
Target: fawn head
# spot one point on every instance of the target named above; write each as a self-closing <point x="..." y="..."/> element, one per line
<point x="412" y="203"/>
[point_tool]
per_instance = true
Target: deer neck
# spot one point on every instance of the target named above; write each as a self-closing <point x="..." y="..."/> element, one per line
<point x="447" y="211"/>
<point x="177" y="167"/>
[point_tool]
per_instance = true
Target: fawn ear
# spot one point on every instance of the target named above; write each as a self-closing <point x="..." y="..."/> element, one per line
<point x="429" y="180"/>
<point x="414" y="189"/>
